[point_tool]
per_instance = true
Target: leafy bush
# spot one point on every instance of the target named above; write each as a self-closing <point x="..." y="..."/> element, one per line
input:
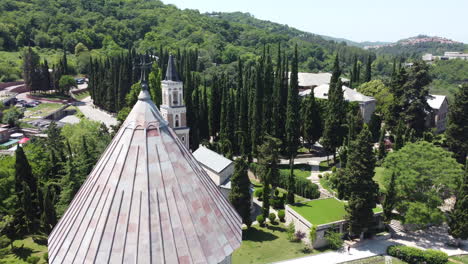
<point x="4" y="241"/>
<point x="334" y="239"/>
<point x="277" y="202"/>
<point x="320" y="176"/>
<point x="416" y="255"/>
<point x="299" y="235"/>
<point x="272" y="217"/>
<point x="46" y="257"/>
<point x="33" y="259"/>
<point x="261" y="220"/>
<point x="333" y="169"/>
<point x="290" y="231"/>
<point x="281" y="215"/>
<point x="258" y="193"/>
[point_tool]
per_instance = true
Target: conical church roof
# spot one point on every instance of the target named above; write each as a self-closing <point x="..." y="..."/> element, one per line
<point x="171" y="72"/>
<point x="147" y="200"/>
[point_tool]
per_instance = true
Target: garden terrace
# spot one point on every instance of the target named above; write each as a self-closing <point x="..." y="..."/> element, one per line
<point x="323" y="211"/>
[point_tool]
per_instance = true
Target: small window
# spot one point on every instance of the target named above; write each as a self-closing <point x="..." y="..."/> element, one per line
<point x="175" y="98"/>
<point x="183" y="139"/>
<point x="176" y="123"/>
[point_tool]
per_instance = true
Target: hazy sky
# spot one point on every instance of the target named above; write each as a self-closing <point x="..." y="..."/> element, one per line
<point x="358" y="20"/>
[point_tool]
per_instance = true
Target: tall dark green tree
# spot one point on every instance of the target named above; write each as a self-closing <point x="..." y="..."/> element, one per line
<point x="27" y="212"/>
<point x="311" y="120"/>
<point x="458" y="218"/>
<point x="268" y="89"/>
<point x="49" y="217"/>
<point x="381" y="151"/>
<point x="215" y="107"/>
<point x="240" y="196"/>
<point x="362" y="190"/>
<point x="368" y="73"/>
<point x="457" y="129"/>
<point x="415" y="95"/>
<point x="292" y="120"/>
<point x="334" y="131"/>
<point x="390" y="199"/>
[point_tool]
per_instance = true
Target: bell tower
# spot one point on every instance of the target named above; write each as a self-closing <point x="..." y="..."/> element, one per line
<point x="172" y="107"/>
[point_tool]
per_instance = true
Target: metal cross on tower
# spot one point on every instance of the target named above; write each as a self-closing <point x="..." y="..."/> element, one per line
<point x="143" y="66"/>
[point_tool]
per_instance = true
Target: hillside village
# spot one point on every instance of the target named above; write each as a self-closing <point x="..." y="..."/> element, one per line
<point x="267" y="145"/>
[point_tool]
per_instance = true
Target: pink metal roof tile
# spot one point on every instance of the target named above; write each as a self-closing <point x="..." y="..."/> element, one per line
<point x="146" y="201"/>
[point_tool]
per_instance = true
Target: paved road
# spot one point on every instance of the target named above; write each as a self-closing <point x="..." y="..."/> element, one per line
<point x="91" y="112"/>
<point x="364" y="251"/>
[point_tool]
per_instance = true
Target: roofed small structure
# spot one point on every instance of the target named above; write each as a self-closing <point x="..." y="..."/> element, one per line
<point x="147" y="200"/>
<point x="367" y="104"/>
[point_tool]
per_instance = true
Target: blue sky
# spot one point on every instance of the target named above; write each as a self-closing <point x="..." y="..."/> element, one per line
<point x="357" y="20"/>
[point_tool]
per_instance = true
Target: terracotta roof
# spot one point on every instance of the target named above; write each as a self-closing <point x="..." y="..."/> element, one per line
<point x="147" y="200"/>
<point x="171" y="72"/>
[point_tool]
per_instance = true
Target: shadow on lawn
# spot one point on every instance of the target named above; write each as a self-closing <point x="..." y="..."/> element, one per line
<point x="257" y="235"/>
<point x="22" y="252"/>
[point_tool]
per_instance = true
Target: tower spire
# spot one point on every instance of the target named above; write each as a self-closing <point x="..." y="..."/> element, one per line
<point x="171" y="72"/>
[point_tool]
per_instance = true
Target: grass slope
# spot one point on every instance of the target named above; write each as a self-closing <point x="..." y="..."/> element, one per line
<point x="267" y="244"/>
<point x="323" y="211"/>
<point x="23" y="249"/>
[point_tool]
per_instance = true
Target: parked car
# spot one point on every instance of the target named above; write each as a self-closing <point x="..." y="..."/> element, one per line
<point x="80" y="80"/>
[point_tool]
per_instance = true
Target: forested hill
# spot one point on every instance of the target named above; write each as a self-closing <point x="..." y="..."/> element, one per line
<point x="417" y="46"/>
<point x="110" y="24"/>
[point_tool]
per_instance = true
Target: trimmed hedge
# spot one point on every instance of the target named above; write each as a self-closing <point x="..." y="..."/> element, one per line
<point x="303" y="186"/>
<point x="415" y="255"/>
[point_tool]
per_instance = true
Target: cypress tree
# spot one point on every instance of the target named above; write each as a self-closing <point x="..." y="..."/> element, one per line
<point x="312" y="122"/>
<point x="268" y="86"/>
<point x="415" y="94"/>
<point x="195" y="129"/>
<point x="368" y="73"/>
<point x="154" y="82"/>
<point x="333" y="133"/>
<point x="390" y="199"/>
<point x="381" y="152"/>
<point x="292" y="121"/>
<point x="362" y="190"/>
<point x="49" y="217"/>
<point x="277" y="121"/>
<point x="215" y="108"/>
<point x="240" y="196"/>
<point x="457" y="129"/>
<point x="257" y="107"/>
<point x="399" y="141"/>
<point x="458" y="219"/>
<point x="374" y="126"/>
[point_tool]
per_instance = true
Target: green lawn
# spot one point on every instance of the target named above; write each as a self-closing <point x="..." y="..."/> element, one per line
<point x="324" y="166"/>
<point x="300" y="170"/>
<point x="461" y="258"/>
<point x="267" y="244"/>
<point x="379" y="177"/>
<point x="52" y="96"/>
<point x="23" y="249"/>
<point x="374" y="260"/>
<point x="40" y="110"/>
<point x="323" y="211"/>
